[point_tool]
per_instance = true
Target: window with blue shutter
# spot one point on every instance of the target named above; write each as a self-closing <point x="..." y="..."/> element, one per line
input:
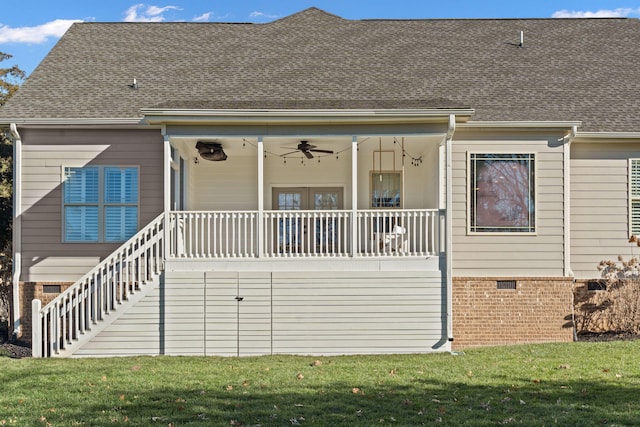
<point x="100" y="203"/>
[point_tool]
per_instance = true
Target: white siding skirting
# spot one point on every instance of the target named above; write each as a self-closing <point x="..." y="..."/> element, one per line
<point x="257" y="313"/>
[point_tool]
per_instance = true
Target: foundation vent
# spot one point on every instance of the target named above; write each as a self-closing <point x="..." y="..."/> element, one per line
<point x="51" y="289"/>
<point x="506" y="284"/>
<point x="596" y="285"/>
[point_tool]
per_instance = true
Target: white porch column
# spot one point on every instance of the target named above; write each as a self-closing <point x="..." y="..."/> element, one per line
<point x="260" y="198"/>
<point x="17" y="227"/>
<point x="354" y="196"/>
<point x="167" y="191"/>
<point x="36" y="328"/>
<point x="448" y="242"/>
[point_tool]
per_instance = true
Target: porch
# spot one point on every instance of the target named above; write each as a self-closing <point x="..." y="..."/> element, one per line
<point x="321" y="194"/>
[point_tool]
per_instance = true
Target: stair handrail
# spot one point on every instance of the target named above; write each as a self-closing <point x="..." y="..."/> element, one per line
<point x="95" y="294"/>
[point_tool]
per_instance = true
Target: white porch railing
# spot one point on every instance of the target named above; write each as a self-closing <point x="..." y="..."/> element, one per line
<point x="92" y="298"/>
<point x="307" y="233"/>
<point x="213" y="234"/>
<point x="406" y="232"/>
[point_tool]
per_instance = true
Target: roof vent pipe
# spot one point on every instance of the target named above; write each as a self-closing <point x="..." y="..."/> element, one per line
<point x="521" y="44"/>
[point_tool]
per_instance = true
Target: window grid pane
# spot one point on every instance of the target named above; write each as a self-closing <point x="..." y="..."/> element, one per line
<point x="81" y="224"/>
<point x="121" y="185"/>
<point x="386" y="189"/>
<point x="121" y="222"/>
<point x="81" y="185"/>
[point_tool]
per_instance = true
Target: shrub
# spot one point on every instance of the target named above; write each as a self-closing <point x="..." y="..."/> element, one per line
<point x="616" y="306"/>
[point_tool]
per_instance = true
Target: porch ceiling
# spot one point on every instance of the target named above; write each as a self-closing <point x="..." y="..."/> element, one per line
<point x="236" y="146"/>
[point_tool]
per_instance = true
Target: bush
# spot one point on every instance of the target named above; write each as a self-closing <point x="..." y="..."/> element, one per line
<point x="615" y="307"/>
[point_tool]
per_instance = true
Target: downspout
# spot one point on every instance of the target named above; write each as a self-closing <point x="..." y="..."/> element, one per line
<point x="567" y="201"/>
<point x="567" y="220"/>
<point x="17" y="227"/>
<point x="448" y="241"/>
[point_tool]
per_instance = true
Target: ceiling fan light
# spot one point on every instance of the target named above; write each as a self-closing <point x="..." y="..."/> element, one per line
<point x="211" y="151"/>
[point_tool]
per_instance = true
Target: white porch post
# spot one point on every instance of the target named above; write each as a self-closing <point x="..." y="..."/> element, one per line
<point x="17" y="227"/>
<point x="354" y="196"/>
<point x="260" y="198"/>
<point x="167" y="191"/>
<point x="36" y="329"/>
<point x="448" y="242"/>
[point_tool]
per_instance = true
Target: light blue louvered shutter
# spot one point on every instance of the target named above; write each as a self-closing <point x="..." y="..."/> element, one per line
<point x="81" y="194"/>
<point x="121" y="222"/>
<point x="121" y="203"/>
<point x="634" y="191"/>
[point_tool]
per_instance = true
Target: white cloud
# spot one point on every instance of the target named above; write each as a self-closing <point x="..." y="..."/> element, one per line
<point x="621" y="12"/>
<point x="35" y="35"/>
<point x="257" y="14"/>
<point x="203" y="18"/>
<point x="142" y="13"/>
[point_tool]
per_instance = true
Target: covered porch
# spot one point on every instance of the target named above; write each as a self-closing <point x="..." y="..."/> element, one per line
<point x="317" y="185"/>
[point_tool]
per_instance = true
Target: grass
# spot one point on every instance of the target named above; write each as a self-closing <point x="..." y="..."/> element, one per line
<point x="576" y="384"/>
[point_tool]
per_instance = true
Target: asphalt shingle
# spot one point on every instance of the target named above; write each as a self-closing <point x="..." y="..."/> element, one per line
<point x="568" y="69"/>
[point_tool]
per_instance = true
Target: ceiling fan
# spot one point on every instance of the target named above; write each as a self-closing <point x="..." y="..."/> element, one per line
<point x="307" y="149"/>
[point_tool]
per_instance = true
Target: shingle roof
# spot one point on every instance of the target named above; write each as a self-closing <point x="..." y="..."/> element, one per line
<point x="568" y="69"/>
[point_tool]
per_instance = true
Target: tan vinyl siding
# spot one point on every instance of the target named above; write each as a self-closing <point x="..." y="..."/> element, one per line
<point x="599" y="205"/>
<point x="228" y="185"/>
<point x="45" y="154"/>
<point x="511" y="254"/>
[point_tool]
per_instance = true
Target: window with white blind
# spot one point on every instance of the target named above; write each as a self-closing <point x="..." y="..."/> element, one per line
<point x="100" y="203"/>
<point x="634" y="197"/>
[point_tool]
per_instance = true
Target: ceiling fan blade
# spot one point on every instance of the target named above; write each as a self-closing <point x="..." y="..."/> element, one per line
<point x="322" y="151"/>
<point x="308" y="154"/>
<point x="286" y="154"/>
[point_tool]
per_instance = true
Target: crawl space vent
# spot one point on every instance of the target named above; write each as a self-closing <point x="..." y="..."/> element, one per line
<point x="506" y="284"/>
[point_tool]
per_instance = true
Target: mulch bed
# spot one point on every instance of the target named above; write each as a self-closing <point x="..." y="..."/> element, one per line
<point x="14" y="349"/>
<point x="607" y="336"/>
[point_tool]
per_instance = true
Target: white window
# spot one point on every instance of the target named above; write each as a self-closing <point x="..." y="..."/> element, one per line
<point x="502" y="193"/>
<point x="386" y="190"/>
<point x="634" y="197"/>
<point x="100" y="203"/>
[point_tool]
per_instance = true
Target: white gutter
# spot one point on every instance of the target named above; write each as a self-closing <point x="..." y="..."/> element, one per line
<point x="518" y="124"/>
<point x="448" y="243"/>
<point x="17" y="227"/>
<point x="600" y="136"/>
<point x="66" y="122"/>
<point x="262" y="117"/>
<point x="567" y="201"/>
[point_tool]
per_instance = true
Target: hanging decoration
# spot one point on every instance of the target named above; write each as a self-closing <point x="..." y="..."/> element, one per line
<point x="415" y="160"/>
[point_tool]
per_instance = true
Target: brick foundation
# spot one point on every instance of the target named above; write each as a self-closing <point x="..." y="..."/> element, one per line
<point x="537" y="310"/>
<point x="30" y="291"/>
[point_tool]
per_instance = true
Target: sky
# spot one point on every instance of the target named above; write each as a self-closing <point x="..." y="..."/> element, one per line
<point x="30" y="28"/>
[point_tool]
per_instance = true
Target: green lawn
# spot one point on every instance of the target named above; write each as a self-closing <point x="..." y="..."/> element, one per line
<point x="576" y="384"/>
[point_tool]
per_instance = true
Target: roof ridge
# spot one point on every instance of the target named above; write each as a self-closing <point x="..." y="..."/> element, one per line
<point x="308" y="12"/>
